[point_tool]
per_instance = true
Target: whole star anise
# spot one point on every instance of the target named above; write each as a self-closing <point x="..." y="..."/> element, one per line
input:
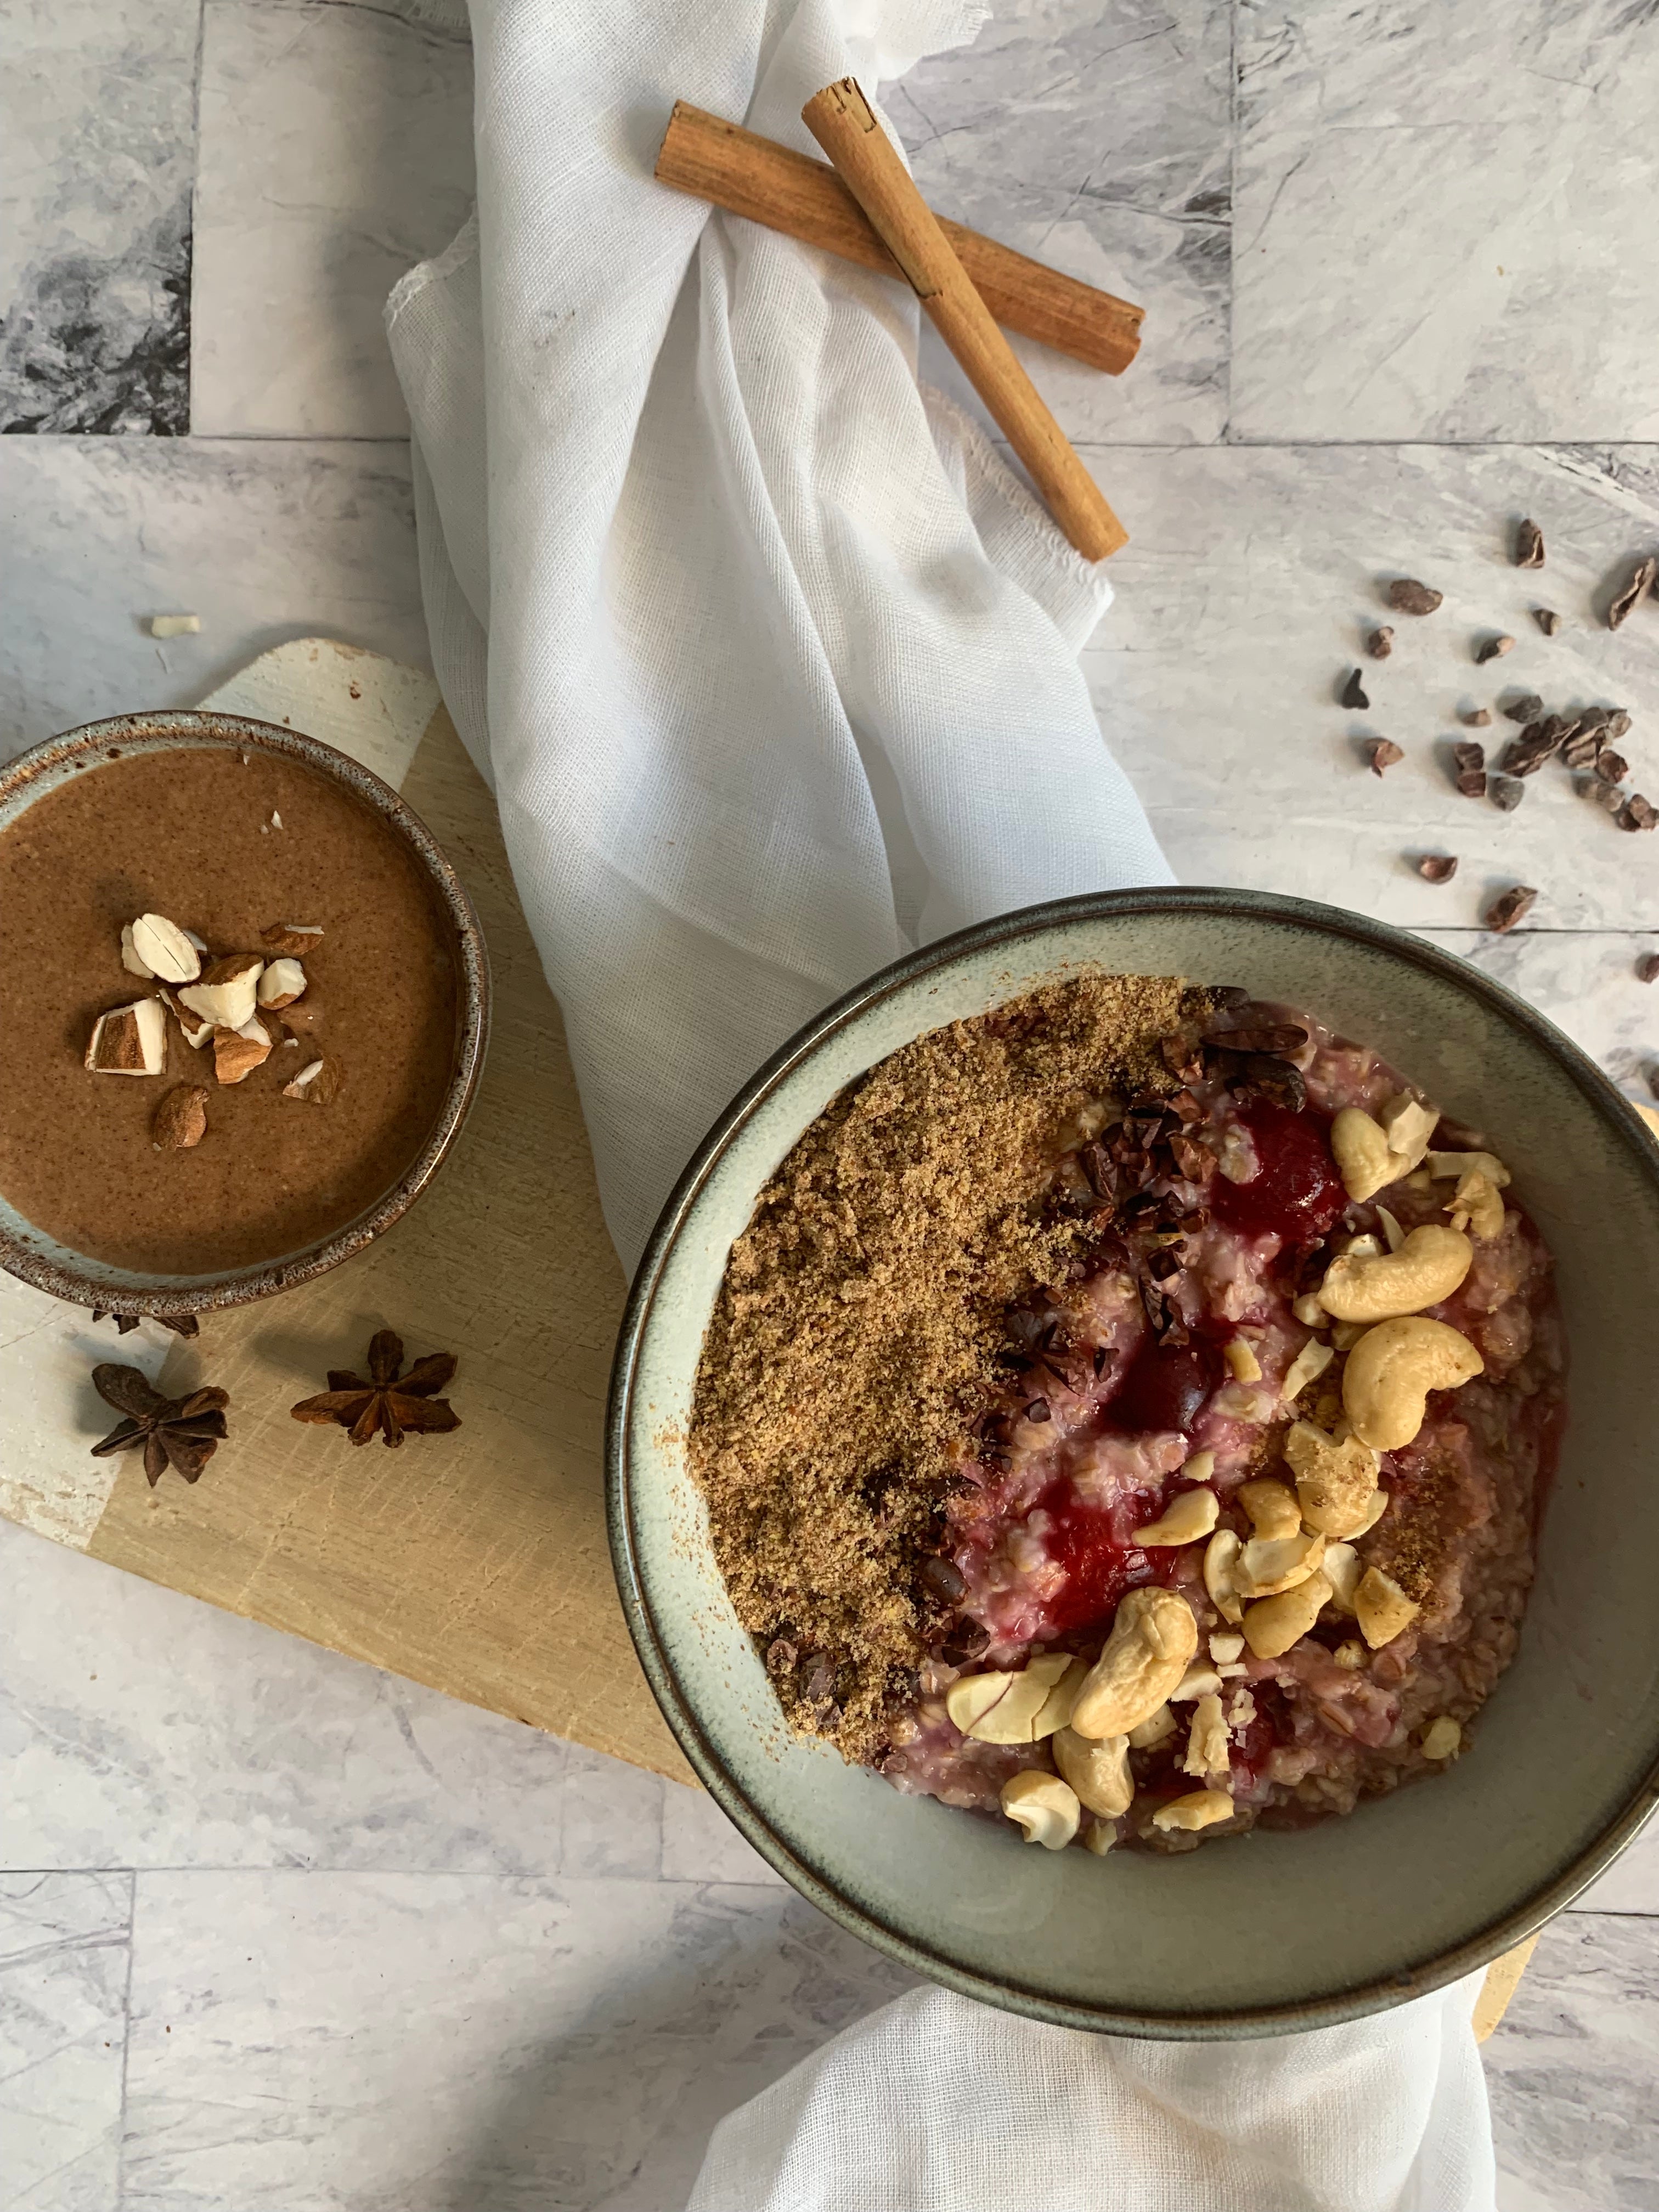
<point x="182" y="1433"/>
<point x="395" y="1406"/>
<point x="180" y="1324"/>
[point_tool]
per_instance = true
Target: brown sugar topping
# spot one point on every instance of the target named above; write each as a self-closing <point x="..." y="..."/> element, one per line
<point x="856" y="1331"/>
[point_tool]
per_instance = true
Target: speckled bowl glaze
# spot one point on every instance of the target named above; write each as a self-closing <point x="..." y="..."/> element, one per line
<point x="1269" y="1932"/>
<point x="54" y="1267"/>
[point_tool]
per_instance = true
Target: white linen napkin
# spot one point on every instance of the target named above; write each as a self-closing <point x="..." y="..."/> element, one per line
<point x="772" y="665"/>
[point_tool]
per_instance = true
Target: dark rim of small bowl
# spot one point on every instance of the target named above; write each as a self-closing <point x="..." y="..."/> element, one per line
<point x="1427" y="1974"/>
<point x="174" y="1296"/>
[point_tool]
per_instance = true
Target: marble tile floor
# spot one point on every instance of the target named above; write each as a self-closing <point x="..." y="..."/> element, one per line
<point x="277" y="1930"/>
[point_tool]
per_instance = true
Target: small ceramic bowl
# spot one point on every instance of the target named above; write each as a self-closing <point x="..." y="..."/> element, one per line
<point x="1273" y="1932"/>
<point x="54" y="1267"/>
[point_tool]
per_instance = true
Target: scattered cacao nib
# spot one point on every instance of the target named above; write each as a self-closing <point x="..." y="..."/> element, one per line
<point x="1185" y="1107"/>
<point x="782" y="1655"/>
<point x="1537" y="742"/>
<point x="396" y="1407"/>
<point x="181" y="1433"/>
<point x="1617" y="724"/>
<point x="1547" y="620"/>
<point x="1412" y="597"/>
<point x="1380" y="643"/>
<point x="1493" y="648"/>
<point x="1529" y="546"/>
<point x="1471" y="782"/>
<point x="942" y="1578"/>
<point x="1037" y="1410"/>
<point x="1384" y="754"/>
<point x="818" y="1687"/>
<point x="1505" y="792"/>
<point x="1637" y="813"/>
<point x="1611" y="767"/>
<point x="1353" y="692"/>
<point x="1438" y="867"/>
<point x="1527" y="708"/>
<point x="1164" y="1266"/>
<point x="1183" y="1056"/>
<point x="1281" y="1036"/>
<point x="1647" y="968"/>
<point x="1607" y="796"/>
<point x="1639" y="580"/>
<point x="1509" y="907"/>
<point x="1262" y="1075"/>
<point x="1477" y="718"/>
<point x="1195" y="1162"/>
<point x="1468" y="754"/>
<point x="965" y="1642"/>
<point x="180" y="1324"/>
<point x="1582" y="748"/>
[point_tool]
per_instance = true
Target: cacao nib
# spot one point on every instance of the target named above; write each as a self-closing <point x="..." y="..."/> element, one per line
<point x="1493" y="648"/>
<point x="1529" y="546"/>
<point x="1438" y="867"/>
<point x="1353" y="693"/>
<point x="1510" y="906"/>
<point x="1526" y="709"/>
<point x="1547" y="620"/>
<point x="1380" y="643"/>
<point x="1412" y="597"/>
<point x="1384" y="754"/>
<point x="1639" y="580"/>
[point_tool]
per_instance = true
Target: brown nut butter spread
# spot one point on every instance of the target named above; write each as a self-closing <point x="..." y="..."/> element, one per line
<point x="190" y="834"/>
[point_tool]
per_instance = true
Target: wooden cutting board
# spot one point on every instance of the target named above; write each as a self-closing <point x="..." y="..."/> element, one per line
<point x="480" y="1565"/>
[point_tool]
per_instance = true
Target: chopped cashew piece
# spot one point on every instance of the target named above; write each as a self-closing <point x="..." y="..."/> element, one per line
<point x="1427" y="1267"/>
<point x="1099" y="1837"/>
<point x="1350" y="1655"/>
<point x="1456" y="1164"/>
<point x="1274" y="1624"/>
<point x="1200" y="1468"/>
<point x="1409" y="1127"/>
<point x="1198" y="1808"/>
<point x="1391" y="1230"/>
<point x="1207" y="1741"/>
<point x="1152" y="1730"/>
<point x="1272" y="1509"/>
<point x="1223" y="1649"/>
<point x="1308" y="1311"/>
<point x="1442" y="1738"/>
<point x="1268" y="1565"/>
<point x="1220" y="1570"/>
<point x="1342" y="1567"/>
<point x="1153" y="1636"/>
<point x="1199" y="1681"/>
<point x="1044" y="1805"/>
<point x="1189" y="1515"/>
<point x="1363" y="1158"/>
<point x="1368" y="1247"/>
<point x="1098" y="1768"/>
<point x="1374" y="1512"/>
<point x="1240" y="1357"/>
<point x="972" y="1696"/>
<point x="1476" y="1205"/>
<point x="1334" y="1482"/>
<point x="1381" y="1607"/>
<point x="1346" y="1333"/>
<point x="1010" y="1715"/>
<point x="1308" y="1366"/>
<point x="1391" y="1371"/>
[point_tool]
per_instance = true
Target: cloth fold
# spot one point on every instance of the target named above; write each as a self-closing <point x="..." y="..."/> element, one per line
<point x="771" y="663"/>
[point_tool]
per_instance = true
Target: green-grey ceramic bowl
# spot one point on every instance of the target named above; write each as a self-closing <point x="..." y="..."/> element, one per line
<point x="1274" y="1931"/>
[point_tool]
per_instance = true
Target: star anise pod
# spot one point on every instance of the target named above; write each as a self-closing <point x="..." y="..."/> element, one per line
<point x="180" y="1324"/>
<point x="396" y="1407"/>
<point x="182" y="1433"/>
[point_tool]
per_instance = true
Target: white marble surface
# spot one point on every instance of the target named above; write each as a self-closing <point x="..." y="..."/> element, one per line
<point x="277" y="1930"/>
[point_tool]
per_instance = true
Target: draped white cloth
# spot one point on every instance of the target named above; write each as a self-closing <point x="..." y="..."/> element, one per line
<point x="773" y="667"/>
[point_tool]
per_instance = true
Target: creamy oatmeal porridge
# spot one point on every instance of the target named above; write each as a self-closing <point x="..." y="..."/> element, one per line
<point x="1129" y="1414"/>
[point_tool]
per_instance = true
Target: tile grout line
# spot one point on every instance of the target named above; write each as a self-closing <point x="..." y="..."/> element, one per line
<point x="126" y="2038"/>
<point x="1226" y="437"/>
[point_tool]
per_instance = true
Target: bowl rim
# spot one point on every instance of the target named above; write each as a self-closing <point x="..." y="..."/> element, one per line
<point x="173" y="1295"/>
<point x="1422" y="1977"/>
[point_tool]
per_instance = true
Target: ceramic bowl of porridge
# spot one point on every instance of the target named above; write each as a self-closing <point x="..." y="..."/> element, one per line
<point x="1155" y="1378"/>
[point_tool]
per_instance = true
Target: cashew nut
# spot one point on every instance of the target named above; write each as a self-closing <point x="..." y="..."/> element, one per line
<point x="1307" y="1310"/>
<point x="1153" y="1638"/>
<point x="1200" y="1468"/>
<point x="1272" y="1625"/>
<point x="1409" y="1127"/>
<point x="1392" y="1234"/>
<point x="1099" y="1837"/>
<point x="1099" y="1770"/>
<point x="1044" y="1805"/>
<point x="1003" y="1708"/>
<point x="1442" y="1164"/>
<point x="1381" y="1606"/>
<point x="1342" y="1568"/>
<point x="1268" y="1565"/>
<point x="1220" y="1562"/>
<point x="1308" y="1366"/>
<point x="1350" y="1655"/>
<point x="1272" y="1509"/>
<point x="1391" y="1371"/>
<point x="1223" y="1649"/>
<point x="1476" y="1204"/>
<point x="1156" y="1729"/>
<point x="1363" y="1158"/>
<point x="1199" y="1681"/>
<point x="1189" y="1515"/>
<point x="1442" y="1738"/>
<point x="1374" y="1512"/>
<point x="1198" y="1808"/>
<point x="1428" y="1267"/>
<point x="1334" y="1482"/>
<point x="1055" y="1711"/>
<point x="1207" y="1751"/>
<point x="1240" y="1357"/>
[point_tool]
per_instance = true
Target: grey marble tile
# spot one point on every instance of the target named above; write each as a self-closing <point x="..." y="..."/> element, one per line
<point x="97" y="111"/>
<point x="1571" y="2071"/>
<point x="142" y="1728"/>
<point x="1586" y="982"/>
<point x="337" y="151"/>
<point x="1251" y="578"/>
<point x="1631" y="1885"/>
<point x="1097" y="138"/>
<point x="1442" y="220"/>
<point x="63" y="1958"/>
<point x="699" y="1843"/>
<point x="264" y="541"/>
<point x="426" y="2043"/>
<point x="612" y="1818"/>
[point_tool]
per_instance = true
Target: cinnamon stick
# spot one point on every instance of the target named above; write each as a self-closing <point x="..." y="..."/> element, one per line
<point x="844" y="124"/>
<point x="737" y="169"/>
